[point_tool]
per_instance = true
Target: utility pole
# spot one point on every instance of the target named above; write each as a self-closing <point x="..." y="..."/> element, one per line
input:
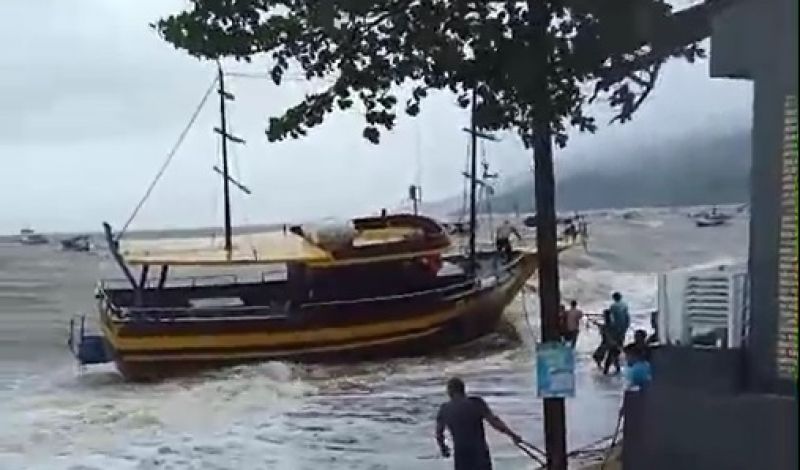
<point x="539" y="17"/>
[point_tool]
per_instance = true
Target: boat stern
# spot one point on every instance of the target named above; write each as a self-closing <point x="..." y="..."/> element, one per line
<point x="87" y="348"/>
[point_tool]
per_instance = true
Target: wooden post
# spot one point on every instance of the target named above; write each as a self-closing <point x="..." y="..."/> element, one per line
<point x="113" y="248"/>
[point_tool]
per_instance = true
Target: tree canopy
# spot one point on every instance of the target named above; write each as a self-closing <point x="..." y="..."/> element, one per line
<point x="608" y="49"/>
<point x="530" y="66"/>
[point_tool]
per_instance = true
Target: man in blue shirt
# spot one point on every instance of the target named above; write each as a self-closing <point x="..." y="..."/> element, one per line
<point x="620" y="317"/>
<point x="618" y="327"/>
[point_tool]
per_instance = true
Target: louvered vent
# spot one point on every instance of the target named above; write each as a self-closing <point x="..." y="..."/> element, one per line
<point x="707" y="303"/>
<point x="704" y="306"/>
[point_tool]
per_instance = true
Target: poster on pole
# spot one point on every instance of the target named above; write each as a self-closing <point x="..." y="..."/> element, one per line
<point x="555" y="370"/>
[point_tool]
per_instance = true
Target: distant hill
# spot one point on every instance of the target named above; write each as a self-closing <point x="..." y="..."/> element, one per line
<point x="705" y="169"/>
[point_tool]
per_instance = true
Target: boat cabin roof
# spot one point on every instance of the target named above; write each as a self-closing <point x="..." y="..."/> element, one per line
<point x="368" y="243"/>
<point x="256" y="248"/>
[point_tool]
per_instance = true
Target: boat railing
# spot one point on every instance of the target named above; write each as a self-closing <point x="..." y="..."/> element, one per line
<point x="196" y="281"/>
<point x="454" y="288"/>
<point x="280" y="309"/>
<point x="499" y="275"/>
<point x="245" y="311"/>
<point x="194" y="314"/>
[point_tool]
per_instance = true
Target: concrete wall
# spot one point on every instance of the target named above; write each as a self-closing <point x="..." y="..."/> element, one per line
<point x="668" y="429"/>
<point x="708" y="370"/>
<point x="757" y="40"/>
<point x="695" y="416"/>
<point x="718" y="409"/>
<point x="733" y="54"/>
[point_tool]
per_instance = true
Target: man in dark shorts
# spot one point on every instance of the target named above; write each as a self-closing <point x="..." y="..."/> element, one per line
<point x="503" y="239"/>
<point x="463" y="416"/>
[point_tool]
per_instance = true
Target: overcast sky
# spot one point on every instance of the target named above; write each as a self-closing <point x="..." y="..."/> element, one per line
<point x="92" y="101"/>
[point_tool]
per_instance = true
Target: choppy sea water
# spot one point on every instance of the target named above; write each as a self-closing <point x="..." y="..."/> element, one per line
<point x="285" y="416"/>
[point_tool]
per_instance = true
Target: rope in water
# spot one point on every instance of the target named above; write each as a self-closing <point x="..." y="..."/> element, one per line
<point x="585" y="451"/>
<point x="613" y="441"/>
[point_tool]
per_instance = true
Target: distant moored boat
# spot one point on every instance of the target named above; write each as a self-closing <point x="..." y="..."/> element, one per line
<point x="29" y="237"/>
<point x="80" y="243"/>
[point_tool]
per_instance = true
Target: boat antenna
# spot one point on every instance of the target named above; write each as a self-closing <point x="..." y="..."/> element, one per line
<point x="473" y="178"/>
<point x="222" y="130"/>
<point x="415" y="194"/>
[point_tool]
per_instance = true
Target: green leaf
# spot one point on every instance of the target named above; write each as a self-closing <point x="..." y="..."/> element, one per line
<point x="612" y="48"/>
<point x="372" y="134"/>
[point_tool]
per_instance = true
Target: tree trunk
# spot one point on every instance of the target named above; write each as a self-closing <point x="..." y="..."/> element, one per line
<point x="546" y="226"/>
<point x="546" y="237"/>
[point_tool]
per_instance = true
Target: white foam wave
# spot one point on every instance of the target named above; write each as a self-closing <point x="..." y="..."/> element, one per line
<point x="87" y="415"/>
<point x="279" y="416"/>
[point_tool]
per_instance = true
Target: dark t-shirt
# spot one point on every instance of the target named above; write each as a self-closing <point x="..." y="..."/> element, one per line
<point x="463" y="417"/>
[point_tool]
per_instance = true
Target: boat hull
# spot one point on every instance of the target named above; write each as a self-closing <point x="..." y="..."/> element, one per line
<point x="402" y="329"/>
<point x="710" y="223"/>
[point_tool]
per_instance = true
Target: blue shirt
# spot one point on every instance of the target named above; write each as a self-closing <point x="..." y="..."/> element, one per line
<point x="620" y="318"/>
<point x="638" y="374"/>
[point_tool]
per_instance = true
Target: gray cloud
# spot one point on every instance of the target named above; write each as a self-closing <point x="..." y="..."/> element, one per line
<point x="91" y="100"/>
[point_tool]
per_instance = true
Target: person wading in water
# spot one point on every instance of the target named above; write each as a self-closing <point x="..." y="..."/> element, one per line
<point x="620" y="322"/>
<point x="601" y="354"/>
<point x="463" y="416"/>
<point x="572" y="323"/>
<point x="503" y="239"/>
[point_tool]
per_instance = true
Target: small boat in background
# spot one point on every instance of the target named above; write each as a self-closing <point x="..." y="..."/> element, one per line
<point x="80" y="243"/>
<point x="529" y="221"/>
<point x="631" y="215"/>
<point x="714" y="218"/>
<point x="29" y="237"/>
<point x="456" y="228"/>
<point x="708" y="221"/>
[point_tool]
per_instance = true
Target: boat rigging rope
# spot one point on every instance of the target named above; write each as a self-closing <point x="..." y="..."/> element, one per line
<point x="524" y="301"/>
<point x="169" y="158"/>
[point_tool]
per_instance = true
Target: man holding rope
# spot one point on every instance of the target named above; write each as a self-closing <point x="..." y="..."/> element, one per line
<point x="463" y="416"/>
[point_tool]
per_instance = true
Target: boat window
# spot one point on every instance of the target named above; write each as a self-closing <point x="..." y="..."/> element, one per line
<point x="211" y="302"/>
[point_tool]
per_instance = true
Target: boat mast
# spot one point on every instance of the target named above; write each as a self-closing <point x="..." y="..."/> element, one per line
<point x="226" y="178"/>
<point x="473" y="183"/>
<point x="473" y="179"/>
<point x="225" y="182"/>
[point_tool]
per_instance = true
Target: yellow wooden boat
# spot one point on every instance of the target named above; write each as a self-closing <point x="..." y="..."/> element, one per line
<point x="375" y="287"/>
<point x="391" y="293"/>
